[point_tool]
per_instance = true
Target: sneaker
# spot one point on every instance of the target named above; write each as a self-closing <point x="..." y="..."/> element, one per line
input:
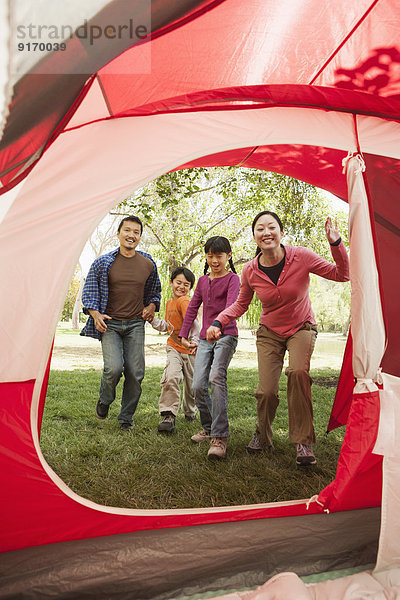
<point x="305" y="455"/>
<point x="102" y="410"/>
<point x="167" y="423"/>
<point x="200" y="437"/>
<point x="190" y="418"/>
<point x="125" y="426"/>
<point x="256" y="445"/>
<point x="217" y="448"/>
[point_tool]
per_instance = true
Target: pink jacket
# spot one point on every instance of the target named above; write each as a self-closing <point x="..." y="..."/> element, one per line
<point x="286" y="306"/>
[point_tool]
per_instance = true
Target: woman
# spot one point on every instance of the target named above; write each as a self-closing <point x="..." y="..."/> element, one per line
<point x="279" y="275"/>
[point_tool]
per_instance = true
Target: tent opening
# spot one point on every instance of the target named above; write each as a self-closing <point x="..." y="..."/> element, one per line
<point x="88" y="454"/>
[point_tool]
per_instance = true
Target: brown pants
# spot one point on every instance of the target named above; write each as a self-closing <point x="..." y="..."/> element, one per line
<point x="179" y="367"/>
<point x="271" y="349"/>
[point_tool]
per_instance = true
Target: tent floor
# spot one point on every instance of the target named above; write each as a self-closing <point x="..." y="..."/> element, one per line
<point x="169" y="563"/>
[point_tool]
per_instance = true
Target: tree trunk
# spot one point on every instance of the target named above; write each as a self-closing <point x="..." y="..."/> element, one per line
<point x="78" y="304"/>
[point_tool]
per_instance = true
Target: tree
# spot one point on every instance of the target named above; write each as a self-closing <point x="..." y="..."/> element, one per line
<point x="101" y="240"/>
<point x="184" y="208"/>
<point x="71" y="296"/>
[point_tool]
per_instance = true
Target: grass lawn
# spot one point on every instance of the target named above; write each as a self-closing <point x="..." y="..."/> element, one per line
<point x="145" y="469"/>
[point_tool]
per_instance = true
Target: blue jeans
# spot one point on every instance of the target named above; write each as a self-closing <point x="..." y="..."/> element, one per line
<point x="210" y="368"/>
<point x="123" y="352"/>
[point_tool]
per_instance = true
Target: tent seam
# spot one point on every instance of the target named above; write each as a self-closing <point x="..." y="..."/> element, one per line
<point x="343" y="42"/>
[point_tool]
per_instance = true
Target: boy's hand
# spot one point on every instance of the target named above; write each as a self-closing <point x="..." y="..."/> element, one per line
<point x="213" y="333"/>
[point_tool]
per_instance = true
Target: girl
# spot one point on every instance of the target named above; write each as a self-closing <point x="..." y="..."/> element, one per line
<point x="216" y="291"/>
<point x="280" y="277"/>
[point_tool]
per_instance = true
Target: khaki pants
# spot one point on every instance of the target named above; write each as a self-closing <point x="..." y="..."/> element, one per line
<point x="271" y="349"/>
<point x="178" y="367"/>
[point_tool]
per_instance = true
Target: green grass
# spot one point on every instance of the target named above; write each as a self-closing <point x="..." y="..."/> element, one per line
<point x="145" y="469"/>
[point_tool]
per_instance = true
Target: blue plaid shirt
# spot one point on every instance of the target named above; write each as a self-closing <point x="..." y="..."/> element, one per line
<point x="95" y="290"/>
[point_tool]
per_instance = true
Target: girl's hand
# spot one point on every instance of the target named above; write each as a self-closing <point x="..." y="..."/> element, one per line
<point x="187" y="344"/>
<point x="331" y="231"/>
<point x="213" y="333"/>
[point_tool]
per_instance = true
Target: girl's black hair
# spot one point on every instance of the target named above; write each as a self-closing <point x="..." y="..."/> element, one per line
<point x="265" y="212"/>
<point x="217" y="244"/>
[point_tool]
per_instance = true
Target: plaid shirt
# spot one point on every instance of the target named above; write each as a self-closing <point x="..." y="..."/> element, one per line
<point x="95" y="290"/>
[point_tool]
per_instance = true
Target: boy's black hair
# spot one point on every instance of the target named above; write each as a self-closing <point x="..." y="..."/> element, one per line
<point x="217" y="244"/>
<point x="187" y="273"/>
<point x="131" y="218"/>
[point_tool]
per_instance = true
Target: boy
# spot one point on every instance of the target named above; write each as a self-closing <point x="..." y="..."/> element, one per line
<point x="180" y="360"/>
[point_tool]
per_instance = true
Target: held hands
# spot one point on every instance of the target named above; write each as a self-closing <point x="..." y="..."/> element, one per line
<point x="213" y="333"/>
<point x="189" y="345"/>
<point x="99" y="320"/>
<point x="148" y="312"/>
<point x="331" y="231"/>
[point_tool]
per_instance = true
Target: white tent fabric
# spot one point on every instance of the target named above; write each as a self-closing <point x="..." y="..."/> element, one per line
<point x="288" y="586"/>
<point x="369" y="342"/>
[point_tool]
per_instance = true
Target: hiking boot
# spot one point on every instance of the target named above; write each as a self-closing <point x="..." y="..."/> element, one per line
<point x="200" y="437"/>
<point x="125" y="426"/>
<point x="102" y="410"/>
<point x="190" y="418"/>
<point x="167" y="423"/>
<point x="305" y="455"/>
<point x="217" y="448"/>
<point x="255" y="446"/>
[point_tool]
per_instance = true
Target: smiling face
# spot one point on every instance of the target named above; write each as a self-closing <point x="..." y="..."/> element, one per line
<point x="217" y="262"/>
<point x="267" y="233"/>
<point x="180" y="286"/>
<point x="129" y="237"/>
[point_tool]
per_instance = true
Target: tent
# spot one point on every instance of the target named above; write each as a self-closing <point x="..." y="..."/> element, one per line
<point x="299" y="87"/>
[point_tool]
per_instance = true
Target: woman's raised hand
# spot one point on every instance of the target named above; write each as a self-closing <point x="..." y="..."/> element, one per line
<point x="331" y="231"/>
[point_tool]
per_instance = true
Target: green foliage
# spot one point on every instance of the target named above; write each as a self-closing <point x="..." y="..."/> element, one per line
<point x="331" y="304"/>
<point x="144" y="469"/>
<point x="184" y="208"/>
<point x="66" y="314"/>
<point x="252" y="317"/>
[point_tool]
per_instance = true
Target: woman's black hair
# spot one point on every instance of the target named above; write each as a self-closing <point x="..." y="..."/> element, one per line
<point x="262" y="213"/>
<point x="217" y="244"/>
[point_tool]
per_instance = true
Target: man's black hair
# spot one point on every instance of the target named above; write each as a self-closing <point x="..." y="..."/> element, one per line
<point x="187" y="273"/>
<point x="131" y="218"/>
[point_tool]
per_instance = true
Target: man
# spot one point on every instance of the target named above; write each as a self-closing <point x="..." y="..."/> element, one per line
<point x="121" y="292"/>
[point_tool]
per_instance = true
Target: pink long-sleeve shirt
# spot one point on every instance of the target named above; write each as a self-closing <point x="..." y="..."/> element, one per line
<point x="286" y="306"/>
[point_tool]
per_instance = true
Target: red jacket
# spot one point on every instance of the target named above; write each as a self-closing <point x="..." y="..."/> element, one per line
<point x="286" y="306"/>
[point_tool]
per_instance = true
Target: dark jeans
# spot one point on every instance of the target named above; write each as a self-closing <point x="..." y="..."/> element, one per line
<point x="123" y="352"/>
